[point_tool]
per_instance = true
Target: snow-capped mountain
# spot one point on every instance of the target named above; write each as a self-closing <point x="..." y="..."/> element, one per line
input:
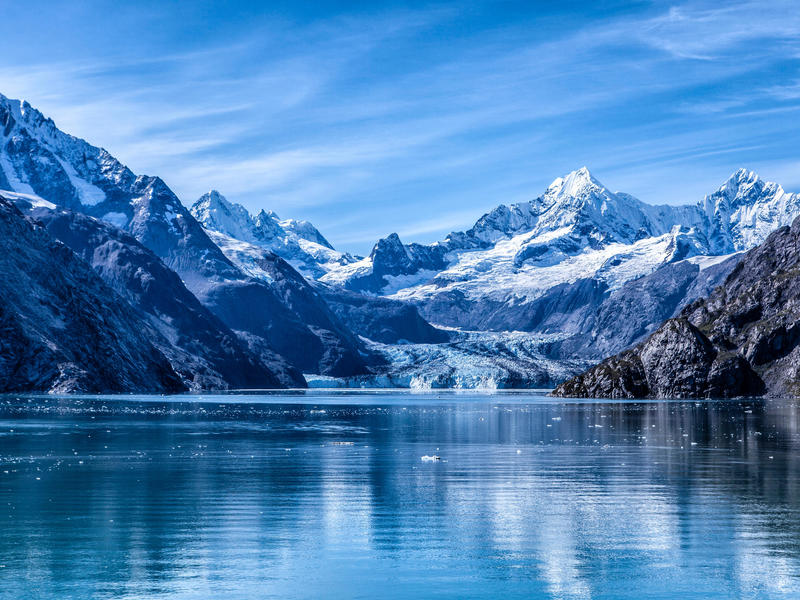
<point x="576" y="204"/>
<point x="298" y="242"/>
<point x="576" y="230"/>
<point x="37" y="159"/>
<point x="744" y="211"/>
<point x="531" y="290"/>
<point x="575" y="216"/>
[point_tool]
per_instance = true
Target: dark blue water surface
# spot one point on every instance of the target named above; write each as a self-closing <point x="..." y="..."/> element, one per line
<point x="257" y="496"/>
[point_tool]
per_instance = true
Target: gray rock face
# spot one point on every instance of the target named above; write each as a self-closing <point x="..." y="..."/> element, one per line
<point x="629" y="314"/>
<point x="207" y="354"/>
<point x="62" y="328"/>
<point x="677" y="361"/>
<point x="380" y="319"/>
<point x="744" y="339"/>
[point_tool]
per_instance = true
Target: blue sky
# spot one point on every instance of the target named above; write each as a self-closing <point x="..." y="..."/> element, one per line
<point x="417" y="118"/>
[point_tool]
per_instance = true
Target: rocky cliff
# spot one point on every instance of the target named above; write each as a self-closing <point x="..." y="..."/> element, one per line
<point x="743" y="339"/>
<point x="207" y="354"/>
<point x="62" y="329"/>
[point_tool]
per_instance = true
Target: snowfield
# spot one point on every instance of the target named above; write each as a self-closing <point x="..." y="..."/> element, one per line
<point x="495" y="274"/>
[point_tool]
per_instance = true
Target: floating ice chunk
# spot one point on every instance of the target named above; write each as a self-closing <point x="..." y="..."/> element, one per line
<point x="427" y="458"/>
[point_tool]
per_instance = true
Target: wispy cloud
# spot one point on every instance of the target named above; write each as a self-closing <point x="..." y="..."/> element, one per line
<point x="420" y="120"/>
<point x="708" y="33"/>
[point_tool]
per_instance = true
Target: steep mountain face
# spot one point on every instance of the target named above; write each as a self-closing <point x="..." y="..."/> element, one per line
<point x="381" y="319"/>
<point x="207" y="354"/>
<point x="62" y="329"/>
<point x="744" y="339"/>
<point x="38" y="159"/>
<point x="297" y="242"/>
<point x="744" y="211"/>
<point x="341" y="354"/>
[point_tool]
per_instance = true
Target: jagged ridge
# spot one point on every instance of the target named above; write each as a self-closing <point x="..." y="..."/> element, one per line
<point x="38" y="159"/>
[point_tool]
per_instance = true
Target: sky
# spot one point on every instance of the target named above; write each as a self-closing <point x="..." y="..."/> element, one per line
<point x="416" y="118"/>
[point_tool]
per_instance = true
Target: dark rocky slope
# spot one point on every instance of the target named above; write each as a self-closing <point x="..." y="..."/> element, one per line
<point x="206" y="353"/>
<point x="74" y="174"/>
<point x="306" y="332"/>
<point x="381" y="319"/>
<point x="744" y="339"/>
<point x="62" y="328"/>
<point x="634" y="311"/>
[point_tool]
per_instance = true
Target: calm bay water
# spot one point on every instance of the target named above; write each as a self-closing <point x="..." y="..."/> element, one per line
<point x="325" y="495"/>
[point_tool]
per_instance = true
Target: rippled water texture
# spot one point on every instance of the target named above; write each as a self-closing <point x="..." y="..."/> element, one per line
<point x="325" y="496"/>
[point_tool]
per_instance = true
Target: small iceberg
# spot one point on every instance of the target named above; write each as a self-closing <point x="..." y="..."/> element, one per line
<point x="427" y="458"/>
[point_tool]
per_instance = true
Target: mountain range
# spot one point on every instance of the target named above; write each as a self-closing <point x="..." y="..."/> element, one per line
<point x="217" y="298"/>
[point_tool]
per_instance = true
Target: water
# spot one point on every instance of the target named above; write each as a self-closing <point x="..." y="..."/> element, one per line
<point x="325" y="495"/>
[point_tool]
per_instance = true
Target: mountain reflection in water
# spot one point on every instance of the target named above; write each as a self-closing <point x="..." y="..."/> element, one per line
<point x="256" y="496"/>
